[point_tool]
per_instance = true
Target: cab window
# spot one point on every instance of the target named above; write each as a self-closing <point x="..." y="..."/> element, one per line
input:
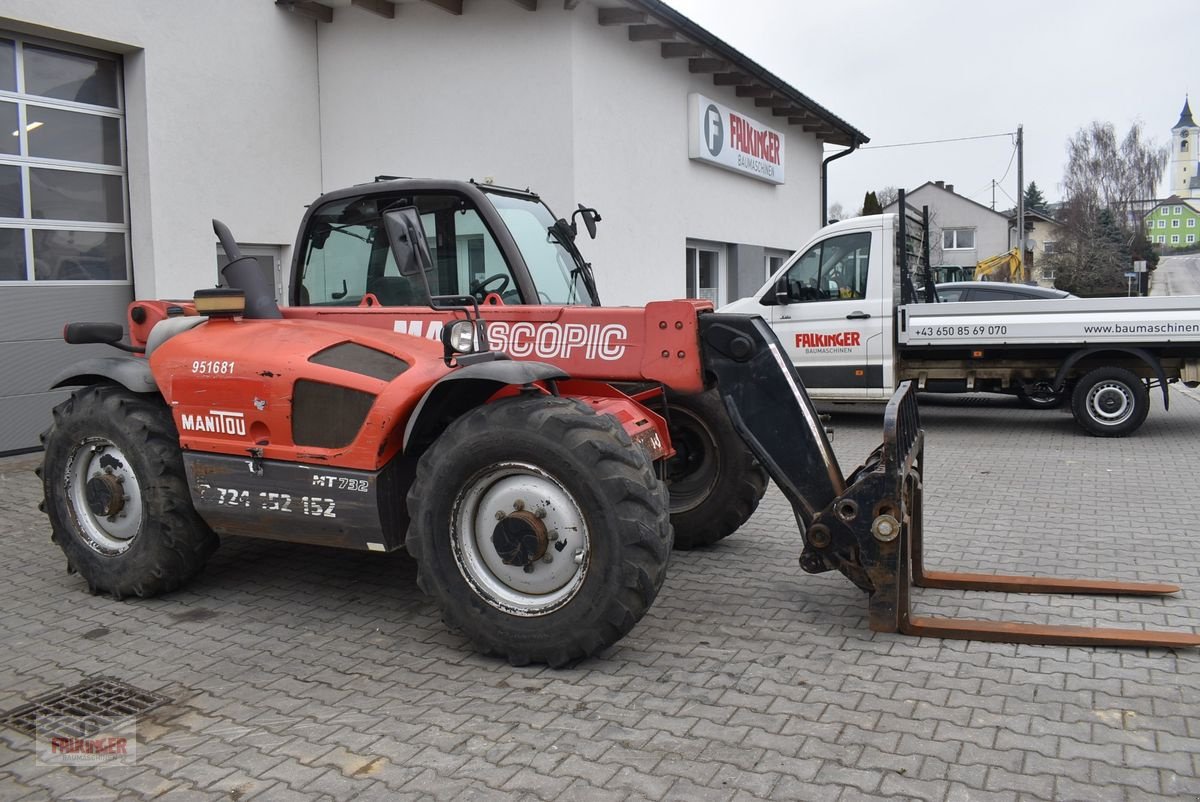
<point x="347" y="255"/>
<point x="833" y="269"/>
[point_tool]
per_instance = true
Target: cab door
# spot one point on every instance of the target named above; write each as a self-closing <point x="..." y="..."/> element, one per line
<point x="828" y="312"/>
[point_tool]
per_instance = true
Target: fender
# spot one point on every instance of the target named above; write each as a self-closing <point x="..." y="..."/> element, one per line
<point x="131" y="372"/>
<point x="1141" y="353"/>
<point x="467" y="388"/>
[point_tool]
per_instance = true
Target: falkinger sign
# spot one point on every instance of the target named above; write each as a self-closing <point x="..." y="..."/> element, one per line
<point x="725" y="138"/>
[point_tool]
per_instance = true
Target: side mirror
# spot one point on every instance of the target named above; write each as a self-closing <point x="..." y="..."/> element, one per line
<point x="406" y="236"/>
<point x="590" y="218"/>
<point x="782" y="294"/>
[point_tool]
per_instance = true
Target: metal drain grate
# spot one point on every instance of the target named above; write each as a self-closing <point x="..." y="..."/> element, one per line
<point x="81" y="710"/>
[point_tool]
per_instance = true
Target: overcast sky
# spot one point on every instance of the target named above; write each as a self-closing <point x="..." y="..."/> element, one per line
<point x="936" y="69"/>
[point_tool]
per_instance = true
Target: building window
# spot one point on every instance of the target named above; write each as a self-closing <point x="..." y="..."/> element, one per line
<point x="1162" y="223"/>
<point x="775" y="260"/>
<point x="1049" y="246"/>
<point x="1174" y="224"/>
<point x="1161" y="239"/>
<point x="958" y="239"/>
<point x="1176" y="210"/>
<point x="1174" y="239"/>
<point x="1191" y="238"/>
<point x="63" y="190"/>
<point x="1183" y="146"/>
<point x="703" y="278"/>
<point x="1191" y="223"/>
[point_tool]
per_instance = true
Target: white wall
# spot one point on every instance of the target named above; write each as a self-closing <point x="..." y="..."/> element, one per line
<point x="631" y="157"/>
<point x="221" y="119"/>
<point x="433" y="95"/>
<point x="552" y="101"/>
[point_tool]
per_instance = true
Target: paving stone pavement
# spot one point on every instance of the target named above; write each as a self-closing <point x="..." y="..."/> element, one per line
<point x="306" y="673"/>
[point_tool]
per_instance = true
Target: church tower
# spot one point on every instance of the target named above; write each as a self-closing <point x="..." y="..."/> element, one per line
<point x="1185" y="155"/>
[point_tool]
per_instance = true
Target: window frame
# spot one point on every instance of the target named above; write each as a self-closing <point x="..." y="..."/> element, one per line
<point x="955" y="232"/>
<point x="29" y="224"/>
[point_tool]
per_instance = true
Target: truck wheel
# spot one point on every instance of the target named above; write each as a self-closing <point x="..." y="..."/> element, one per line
<point x="1110" y="402"/>
<point x="1041" y="395"/>
<point x="714" y="481"/>
<point x="539" y="528"/>
<point x="117" y="495"/>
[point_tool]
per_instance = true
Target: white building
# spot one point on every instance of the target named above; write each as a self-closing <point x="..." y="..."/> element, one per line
<point x="136" y="121"/>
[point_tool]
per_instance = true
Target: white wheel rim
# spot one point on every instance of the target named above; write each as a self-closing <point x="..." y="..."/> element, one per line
<point x="499" y="492"/>
<point x="97" y="460"/>
<point x="1110" y="402"/>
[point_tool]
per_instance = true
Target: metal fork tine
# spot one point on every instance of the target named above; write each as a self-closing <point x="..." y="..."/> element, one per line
<point x="954" y="580"/>
<point x="1013" y="632"/>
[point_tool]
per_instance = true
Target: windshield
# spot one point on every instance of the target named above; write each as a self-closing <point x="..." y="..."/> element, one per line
<point x="557" y="269"/>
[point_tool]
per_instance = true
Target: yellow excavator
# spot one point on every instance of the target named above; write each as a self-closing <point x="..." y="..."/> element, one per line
<point x="1007" y="267"/>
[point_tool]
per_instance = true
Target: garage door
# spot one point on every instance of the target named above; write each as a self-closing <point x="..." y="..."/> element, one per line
<point x="64" y="222"/>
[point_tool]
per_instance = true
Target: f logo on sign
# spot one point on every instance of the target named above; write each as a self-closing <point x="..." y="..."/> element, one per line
<point x="714" y="130"/>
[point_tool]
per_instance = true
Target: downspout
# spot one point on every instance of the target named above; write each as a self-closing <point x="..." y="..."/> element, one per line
<point x="854" y="143"/>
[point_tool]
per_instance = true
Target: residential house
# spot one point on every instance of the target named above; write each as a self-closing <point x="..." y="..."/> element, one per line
<point x="1172" y="223"/>
<point x="963" y="232"/>
<point x="1042" y="234"/>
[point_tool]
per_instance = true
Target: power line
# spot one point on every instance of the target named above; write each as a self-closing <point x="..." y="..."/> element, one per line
<point x="1010" y="164"/>
<point x="935" y="141"/>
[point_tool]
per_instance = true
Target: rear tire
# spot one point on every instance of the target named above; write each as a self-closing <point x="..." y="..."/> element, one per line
<point x="715" y="483"/>
<point x="117" y="494"/>
<point x="1110" y="402"/>
<point x="539" y="528"/>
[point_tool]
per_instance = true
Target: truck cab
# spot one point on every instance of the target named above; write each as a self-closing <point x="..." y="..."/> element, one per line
<point x="831" y="307"/>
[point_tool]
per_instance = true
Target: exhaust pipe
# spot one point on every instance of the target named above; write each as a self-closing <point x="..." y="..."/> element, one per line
<point x="242" y="273"/>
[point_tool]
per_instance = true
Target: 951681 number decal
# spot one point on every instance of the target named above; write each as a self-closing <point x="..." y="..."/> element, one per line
<point x="960" y="331"/>
<point x="213" y="367"/>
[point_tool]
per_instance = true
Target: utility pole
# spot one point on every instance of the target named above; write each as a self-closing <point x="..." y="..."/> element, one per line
<point x="1021" y="199"/>
<point x="993" y="194"/>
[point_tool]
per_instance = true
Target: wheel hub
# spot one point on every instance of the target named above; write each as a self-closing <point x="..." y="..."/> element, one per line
<point x="104" y="495"/>
<point x="520" y="538"/>
<point x="1111" y="402"/>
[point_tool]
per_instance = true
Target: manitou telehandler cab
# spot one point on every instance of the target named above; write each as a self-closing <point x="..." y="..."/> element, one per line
<point x="533" y="501"/>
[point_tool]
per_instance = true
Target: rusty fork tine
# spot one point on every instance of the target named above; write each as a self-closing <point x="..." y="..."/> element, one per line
<point x="954" y="580"/>
<point x="1013" y="632"/>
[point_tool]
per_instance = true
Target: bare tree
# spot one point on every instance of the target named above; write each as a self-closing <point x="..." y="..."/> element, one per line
<point x="837" y="212"/>
<point x="1104" y="182"/>
<point x="1104" y="173"/>
<point x="887" y="195"/>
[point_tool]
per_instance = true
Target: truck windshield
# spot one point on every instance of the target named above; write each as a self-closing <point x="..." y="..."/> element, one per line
<point x="557" y="268"/>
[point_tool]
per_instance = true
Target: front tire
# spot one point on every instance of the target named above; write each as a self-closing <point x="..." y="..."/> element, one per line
<point x="715" y="483"/>
<point x="539" y="528"/>
<point x="117" y="494"/>
<point x="1110" y="402"/>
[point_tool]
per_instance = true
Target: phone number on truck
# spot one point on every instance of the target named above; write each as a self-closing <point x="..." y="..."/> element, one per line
<point x="960" y="331"/>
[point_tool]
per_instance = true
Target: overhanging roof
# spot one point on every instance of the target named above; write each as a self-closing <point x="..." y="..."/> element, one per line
<point x="654" y="22"/>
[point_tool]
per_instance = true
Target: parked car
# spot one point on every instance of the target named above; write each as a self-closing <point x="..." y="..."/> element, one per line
<point x="995" y="291"/>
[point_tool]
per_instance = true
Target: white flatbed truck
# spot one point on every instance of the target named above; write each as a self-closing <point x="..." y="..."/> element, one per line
<point x="856" y="310"/>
